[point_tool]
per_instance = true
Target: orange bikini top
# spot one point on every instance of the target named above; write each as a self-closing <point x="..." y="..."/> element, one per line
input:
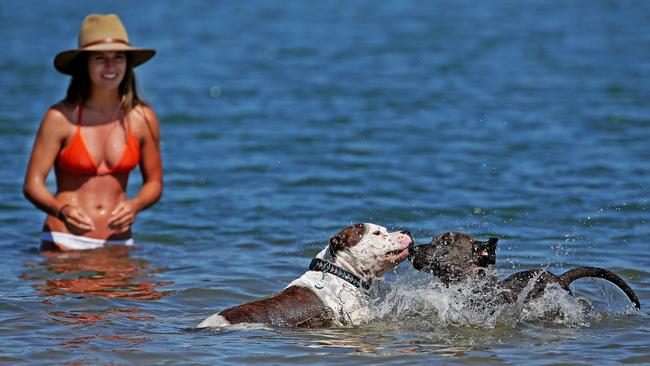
<point x="76" y="159"/>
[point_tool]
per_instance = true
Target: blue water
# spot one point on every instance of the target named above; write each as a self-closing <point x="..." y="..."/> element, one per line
<point x="283" y="122"/>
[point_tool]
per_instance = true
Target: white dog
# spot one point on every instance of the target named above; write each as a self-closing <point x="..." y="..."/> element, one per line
<point x="334" y="291"/>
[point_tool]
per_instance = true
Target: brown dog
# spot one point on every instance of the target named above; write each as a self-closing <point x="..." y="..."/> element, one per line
<point x="455" y="256"/>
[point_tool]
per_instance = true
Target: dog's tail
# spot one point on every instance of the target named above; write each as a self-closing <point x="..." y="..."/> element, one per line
<point x="581" y="272"/>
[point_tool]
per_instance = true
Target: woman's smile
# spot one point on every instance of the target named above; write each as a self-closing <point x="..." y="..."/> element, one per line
<point x="109" y="76"/>
<point x="107" y="66"/>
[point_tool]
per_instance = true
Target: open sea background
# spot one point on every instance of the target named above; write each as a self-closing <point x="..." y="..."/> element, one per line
<point x="285" y="121"/>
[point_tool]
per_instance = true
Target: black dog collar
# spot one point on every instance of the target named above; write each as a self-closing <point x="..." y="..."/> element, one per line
<point x="324" y="266"/>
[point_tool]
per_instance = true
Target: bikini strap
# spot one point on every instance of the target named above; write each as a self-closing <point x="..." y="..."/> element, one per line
<point x="126" y="121"/>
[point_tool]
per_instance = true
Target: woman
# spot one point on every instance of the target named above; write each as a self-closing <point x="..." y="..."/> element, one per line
<point x="93" y="139"/>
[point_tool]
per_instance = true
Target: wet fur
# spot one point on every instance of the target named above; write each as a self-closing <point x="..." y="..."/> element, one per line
<point x="456" y="256"/>
<point x="293" y="307"/>
<point x="366" y="250"/>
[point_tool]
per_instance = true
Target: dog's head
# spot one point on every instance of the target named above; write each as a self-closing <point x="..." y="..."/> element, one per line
<point x="452" y="256"/>
<point x="369" y="250"/>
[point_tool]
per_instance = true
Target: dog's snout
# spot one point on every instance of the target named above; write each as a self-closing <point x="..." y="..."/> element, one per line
<point x="406" y="232"/>
<point x="415" y="250"/>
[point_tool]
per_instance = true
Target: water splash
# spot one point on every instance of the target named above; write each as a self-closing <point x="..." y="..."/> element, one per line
<point x="557" y="306"/>
<point x="418" y="300"/>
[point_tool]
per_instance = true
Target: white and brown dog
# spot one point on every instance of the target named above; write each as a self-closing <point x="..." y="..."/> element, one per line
<point x="334" y="291"/>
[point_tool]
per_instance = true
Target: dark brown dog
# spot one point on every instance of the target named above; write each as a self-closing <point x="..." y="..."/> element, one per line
<point x="454" y="256"/>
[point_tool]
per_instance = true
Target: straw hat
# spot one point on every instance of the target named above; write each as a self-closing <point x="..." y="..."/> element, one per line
<point x="101" y="33"/>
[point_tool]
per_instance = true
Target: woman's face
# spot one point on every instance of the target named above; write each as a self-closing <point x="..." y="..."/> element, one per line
<point x="106" y="68"/>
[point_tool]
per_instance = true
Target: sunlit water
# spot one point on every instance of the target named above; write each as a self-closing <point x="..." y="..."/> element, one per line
<point x="284" y="122"/>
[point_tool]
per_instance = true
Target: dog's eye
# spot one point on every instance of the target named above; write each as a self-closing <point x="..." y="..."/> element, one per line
<point x="377" y="233"/>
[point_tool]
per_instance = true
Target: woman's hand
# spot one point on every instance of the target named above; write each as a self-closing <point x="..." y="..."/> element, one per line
<point x="122" y="216"/>
<point x="76" y="218"/>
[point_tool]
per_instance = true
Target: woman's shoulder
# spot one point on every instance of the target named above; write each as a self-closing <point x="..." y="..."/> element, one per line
<point x="143" y="113"/>
<point x="57" y="122"/>
<point x="60" y="114"/>
<point x="143" y="120"/>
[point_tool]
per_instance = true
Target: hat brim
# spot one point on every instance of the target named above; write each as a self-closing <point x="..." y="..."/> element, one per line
<point x="63" y="62"/>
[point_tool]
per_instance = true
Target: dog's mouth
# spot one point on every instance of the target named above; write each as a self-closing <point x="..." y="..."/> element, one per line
<point x="396" y="252"/>
<point x="419" y="259"/>
<point x="416" y="251"/>
<point x="400" y="253"/>
<point x="413" y="249"/>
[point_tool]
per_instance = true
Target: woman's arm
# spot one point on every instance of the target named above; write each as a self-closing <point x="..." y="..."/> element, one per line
<point x="152" y="175"/>
<point x="150" y="163"/>
<point x="49" y="139"/>
<point x="47" y="145"/>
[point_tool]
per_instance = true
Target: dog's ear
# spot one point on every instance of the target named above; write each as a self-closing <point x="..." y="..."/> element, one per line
<point x="485" y="252"/>
<point x="348" y="237"/>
